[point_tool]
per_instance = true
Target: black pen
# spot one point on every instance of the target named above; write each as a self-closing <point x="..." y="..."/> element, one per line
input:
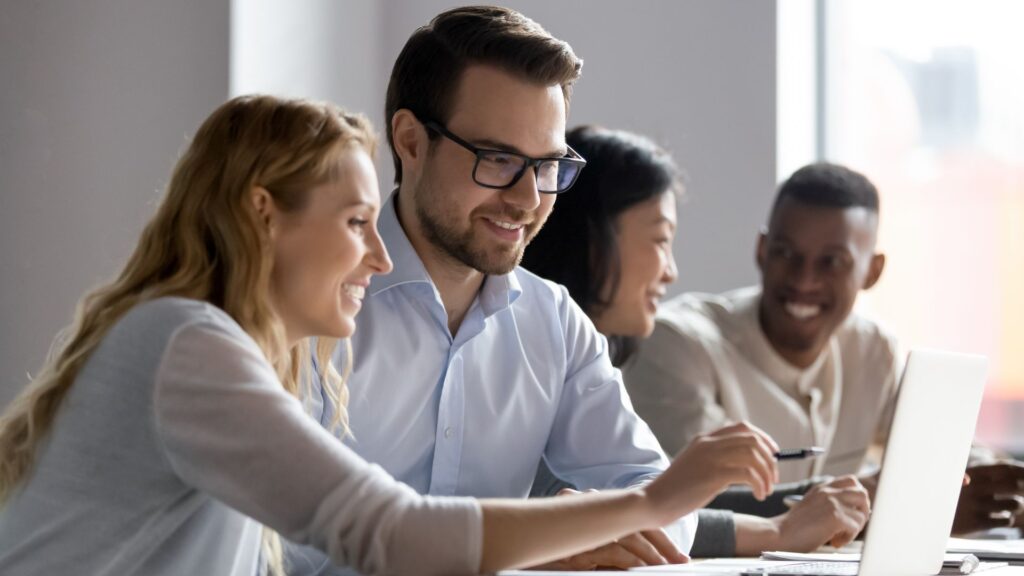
<point x="799" y="453"/>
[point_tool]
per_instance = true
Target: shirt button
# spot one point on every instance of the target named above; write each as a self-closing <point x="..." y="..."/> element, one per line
<point x="448" y="432"/>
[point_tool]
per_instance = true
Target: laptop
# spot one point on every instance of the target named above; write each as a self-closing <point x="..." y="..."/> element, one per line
<point x="922" y="471"/>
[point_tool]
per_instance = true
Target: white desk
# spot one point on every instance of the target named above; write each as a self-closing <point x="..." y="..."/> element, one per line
<point x="726" y="566"/>
<point x="694" y="570"/>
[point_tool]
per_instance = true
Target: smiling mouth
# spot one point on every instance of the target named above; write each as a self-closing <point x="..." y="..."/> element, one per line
<point x="802" y="311"/>
<point x="506" y="225"/>
<point x="505" y="230"/>
<point x="354" y="291"/>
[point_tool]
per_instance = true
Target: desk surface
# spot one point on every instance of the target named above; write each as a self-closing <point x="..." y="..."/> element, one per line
<point x="725" y="566"/>
<point x="693" y="570"/>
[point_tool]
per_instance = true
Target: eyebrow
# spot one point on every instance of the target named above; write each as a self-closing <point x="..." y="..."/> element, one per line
<point x="357" y="204"/>
<point x="664" y="219"/>
<point x="505" y="147"/>
<point x="827" y="248"/>
<point x="838" y="248"/>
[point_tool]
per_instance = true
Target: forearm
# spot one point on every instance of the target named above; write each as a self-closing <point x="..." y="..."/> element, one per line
<point x="518" y="533"/>
<point x="716" y="534"/>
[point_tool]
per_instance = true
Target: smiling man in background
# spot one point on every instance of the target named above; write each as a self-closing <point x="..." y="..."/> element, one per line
<point x="791" y="356"/>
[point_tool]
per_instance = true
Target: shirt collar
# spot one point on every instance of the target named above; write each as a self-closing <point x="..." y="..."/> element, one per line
<point x="408" y="268"/>
<point x="498" y="291"/>
<point x="774" y="365"/>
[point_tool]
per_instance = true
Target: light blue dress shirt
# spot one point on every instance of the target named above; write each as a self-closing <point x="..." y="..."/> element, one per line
<point x="526" y="376"/>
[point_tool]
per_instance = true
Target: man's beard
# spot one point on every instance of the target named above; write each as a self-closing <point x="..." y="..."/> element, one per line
<point x="441" y="230"/>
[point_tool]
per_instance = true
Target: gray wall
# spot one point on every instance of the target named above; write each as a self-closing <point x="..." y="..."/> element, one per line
<point x="699" y="77"/>
<point x="97" y="102"/>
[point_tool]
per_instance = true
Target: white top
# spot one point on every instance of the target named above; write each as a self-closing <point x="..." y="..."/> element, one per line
<point x="177" y="435"/>
<point x="709" y="363"/>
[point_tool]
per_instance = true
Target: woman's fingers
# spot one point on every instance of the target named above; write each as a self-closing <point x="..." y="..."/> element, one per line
<point x="762" y="444"/>
<point x="665" y="546"/>
<point x="754" y="456"/>
<point x="747" y="475"/>
<point x="639" y="546"/>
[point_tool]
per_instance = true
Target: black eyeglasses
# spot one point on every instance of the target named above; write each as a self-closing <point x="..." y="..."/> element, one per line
<point x="502" y="169"/>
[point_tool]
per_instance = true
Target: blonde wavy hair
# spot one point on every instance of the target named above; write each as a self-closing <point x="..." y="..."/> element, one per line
<point x="206" y="242"/>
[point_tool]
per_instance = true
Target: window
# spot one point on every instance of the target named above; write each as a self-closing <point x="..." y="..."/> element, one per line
<point x="926" y="97"/>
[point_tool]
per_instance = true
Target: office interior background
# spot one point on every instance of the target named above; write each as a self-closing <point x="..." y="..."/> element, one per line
<point x="924" y="96"/>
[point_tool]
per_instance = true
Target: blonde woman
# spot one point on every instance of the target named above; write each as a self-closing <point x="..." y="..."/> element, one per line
<point x="167" y="431"/>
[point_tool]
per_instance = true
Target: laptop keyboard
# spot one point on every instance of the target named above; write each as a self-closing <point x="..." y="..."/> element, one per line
<point x="809" y="568"/>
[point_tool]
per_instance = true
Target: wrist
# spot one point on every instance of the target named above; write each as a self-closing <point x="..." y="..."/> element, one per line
<point x="870" y="483"/>
<point x="652" y="509"/>
<point x="755" y="534"/>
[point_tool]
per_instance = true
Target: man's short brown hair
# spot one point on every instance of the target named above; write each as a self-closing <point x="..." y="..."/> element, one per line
<point x="427" y="71"/>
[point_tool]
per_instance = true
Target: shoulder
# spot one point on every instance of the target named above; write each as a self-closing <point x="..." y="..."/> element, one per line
<point x="866" y="340"/>
<point x="707" y="317"/>
<point x="151" y="333"/>
<point x="550" y="311"/>
<point x="161" y="319"/>
<point x="540" y="296"/>
<point x="198" y="342"/>
<point x="174" y="311"/>
<point x="539" y="289"/>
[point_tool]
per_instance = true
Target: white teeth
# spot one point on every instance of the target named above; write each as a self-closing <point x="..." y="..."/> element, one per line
<point x="506" y="225"/>
<point x="802" y="311"/>
<point x="354" y="291"/>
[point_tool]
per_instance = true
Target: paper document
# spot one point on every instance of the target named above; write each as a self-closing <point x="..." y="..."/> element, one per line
<point x="1012" y="550"/>
<point x="714" y="566"/>
<point x="958" y="564"/>
<point x="813" y="556"/>
<point x="952" y="563"/>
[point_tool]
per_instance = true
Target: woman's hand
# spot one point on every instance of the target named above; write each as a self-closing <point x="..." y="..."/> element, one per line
<point x="736" y="454"/>
<point x="646" y="548"/>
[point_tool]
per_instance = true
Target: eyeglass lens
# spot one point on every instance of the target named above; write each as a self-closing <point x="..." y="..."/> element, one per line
<point x="497" y="169"/>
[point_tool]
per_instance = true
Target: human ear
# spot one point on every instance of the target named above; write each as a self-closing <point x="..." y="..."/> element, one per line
<point x="761" y="252"/>
<point x="263" y="204"/>
<point x="874" y="271"/>
<point x="410" y="140"/>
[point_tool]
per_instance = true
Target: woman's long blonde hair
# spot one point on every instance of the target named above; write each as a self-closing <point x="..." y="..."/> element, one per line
<point x="206" y="242"/>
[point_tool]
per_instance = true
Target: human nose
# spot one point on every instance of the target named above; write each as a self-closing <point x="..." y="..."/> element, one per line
<point x="377" y="255"/>
<point x="524" y="193"/>
<point x="803" y="275"/>
<point x="671" y="270"/>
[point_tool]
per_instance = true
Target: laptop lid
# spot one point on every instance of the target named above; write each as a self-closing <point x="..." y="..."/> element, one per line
<point x="922" y="469"/>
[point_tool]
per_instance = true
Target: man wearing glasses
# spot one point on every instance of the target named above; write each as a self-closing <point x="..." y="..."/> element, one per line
<point x="467" y="369"/>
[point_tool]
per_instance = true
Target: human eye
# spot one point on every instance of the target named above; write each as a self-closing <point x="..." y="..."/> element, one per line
<point x="664" y="248"/>
<point x="781" y="251"/>
<point x="497" y="168"/>
<point x="499" y="159"/>
<point x="358" y="223"/>
<point x="834" y="262"/>
<point x="547" y="176"/>
<point x="549" y="168"/>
